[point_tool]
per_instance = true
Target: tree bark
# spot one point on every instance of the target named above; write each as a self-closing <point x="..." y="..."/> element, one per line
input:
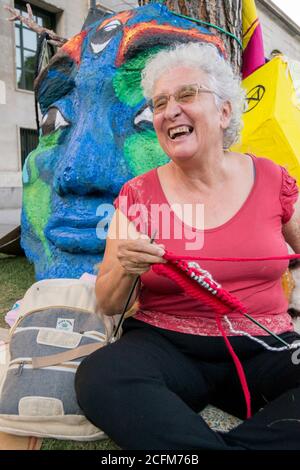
<point x="226" y="14"/>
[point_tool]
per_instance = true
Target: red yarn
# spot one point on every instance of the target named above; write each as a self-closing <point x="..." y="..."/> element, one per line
<point x="213" y="295"/>
<point x="170" y="256"/>
<point x="239" y="367"/>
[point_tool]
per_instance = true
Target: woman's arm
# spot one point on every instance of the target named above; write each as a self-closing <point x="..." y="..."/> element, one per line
<point x="291" y="230"/>
<point x="127" y="255"/>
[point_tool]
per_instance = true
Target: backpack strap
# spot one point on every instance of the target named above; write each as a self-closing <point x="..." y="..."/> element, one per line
<point x="54" y="359"/>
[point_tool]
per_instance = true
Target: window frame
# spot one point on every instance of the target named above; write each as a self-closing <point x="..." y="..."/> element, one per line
<point x="22" y="149"/>
<point x="38" y="12"/>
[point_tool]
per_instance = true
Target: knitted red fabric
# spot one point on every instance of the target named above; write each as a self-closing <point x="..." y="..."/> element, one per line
<point x="200" y="285"/>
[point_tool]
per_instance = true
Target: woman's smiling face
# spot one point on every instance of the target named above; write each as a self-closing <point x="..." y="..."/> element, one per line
<point x="188" y="130"/>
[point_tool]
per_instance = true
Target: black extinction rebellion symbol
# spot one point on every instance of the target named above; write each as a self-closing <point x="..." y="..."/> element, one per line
<point x="254" y="96"/>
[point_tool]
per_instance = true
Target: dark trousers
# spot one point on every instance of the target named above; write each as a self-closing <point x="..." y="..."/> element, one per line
<point x="146" y="390"/>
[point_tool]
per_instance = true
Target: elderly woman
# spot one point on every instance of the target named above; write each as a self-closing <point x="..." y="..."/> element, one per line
<point x="146" y="390"/>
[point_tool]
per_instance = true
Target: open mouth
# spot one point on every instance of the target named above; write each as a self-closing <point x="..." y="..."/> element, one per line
<point x="180" y="131"/>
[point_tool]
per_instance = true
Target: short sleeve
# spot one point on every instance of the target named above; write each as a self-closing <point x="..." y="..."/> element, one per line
<point x="125" y="199"/>
<point x="288" y="195"/>
<point x="130" y="203"/>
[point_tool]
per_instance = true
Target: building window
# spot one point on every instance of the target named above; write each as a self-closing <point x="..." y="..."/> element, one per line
<point x="26" y="43"/>
<point x="29" y="139"/>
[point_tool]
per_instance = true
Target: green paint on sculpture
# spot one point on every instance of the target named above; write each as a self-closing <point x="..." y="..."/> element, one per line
<point x="46" y="143"/>
<point x="143" y="152"/>
<point x="127" y="81"/>
<point x="37" y="200"/>
<point x="37" y="194"/>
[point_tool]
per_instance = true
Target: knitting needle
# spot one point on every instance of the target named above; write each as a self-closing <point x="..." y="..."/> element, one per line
<point x="266" y="329"/>
<point x="129" y="296"/>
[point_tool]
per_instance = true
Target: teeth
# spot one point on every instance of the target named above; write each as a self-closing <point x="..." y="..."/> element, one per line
<point x="179" y="129"/>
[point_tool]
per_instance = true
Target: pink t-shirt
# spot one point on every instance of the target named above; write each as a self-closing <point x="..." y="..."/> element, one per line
<point x="254" y="231"/>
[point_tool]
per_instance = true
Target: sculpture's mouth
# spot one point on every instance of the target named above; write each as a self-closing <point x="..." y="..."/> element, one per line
<point x="77" y="236"/>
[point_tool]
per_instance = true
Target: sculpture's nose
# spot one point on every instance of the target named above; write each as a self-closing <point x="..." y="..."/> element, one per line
<point x="85" y="170"/>
<point x="78" y="179"/>
<point x="91" y="159"/>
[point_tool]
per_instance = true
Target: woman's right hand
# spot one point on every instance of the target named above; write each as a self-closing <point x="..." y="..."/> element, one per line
<point x="137" y="256"/>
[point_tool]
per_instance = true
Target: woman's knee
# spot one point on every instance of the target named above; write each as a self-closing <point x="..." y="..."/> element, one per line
<point x="94" y="379"/>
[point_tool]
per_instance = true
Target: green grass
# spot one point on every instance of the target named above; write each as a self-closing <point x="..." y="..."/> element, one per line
<point x="52" y="444"/>
<point x="16" y="276"/>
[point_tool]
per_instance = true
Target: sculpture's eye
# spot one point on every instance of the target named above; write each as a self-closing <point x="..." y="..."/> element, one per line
<point x="144" y="119"/>
<point x="52" y="121"/>
<point x="103" y="36"/>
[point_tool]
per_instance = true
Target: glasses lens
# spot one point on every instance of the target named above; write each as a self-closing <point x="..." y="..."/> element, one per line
<point x="186" y="94"/>
<point x="160" y="102"/>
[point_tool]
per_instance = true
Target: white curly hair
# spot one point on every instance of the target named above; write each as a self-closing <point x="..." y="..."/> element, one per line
<point x="206" y="58"/>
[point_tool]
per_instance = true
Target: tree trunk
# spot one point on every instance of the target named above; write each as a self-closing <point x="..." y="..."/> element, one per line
<point x="226" y="14"/>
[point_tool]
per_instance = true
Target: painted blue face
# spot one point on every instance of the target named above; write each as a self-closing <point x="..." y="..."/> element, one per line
<point x="96" y="134"/>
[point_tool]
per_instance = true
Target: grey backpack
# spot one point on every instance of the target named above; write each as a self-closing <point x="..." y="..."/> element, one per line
<point x="59" y="325"/>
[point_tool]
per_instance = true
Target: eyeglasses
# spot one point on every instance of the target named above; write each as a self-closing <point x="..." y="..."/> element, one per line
<point x="183" y="95"/>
